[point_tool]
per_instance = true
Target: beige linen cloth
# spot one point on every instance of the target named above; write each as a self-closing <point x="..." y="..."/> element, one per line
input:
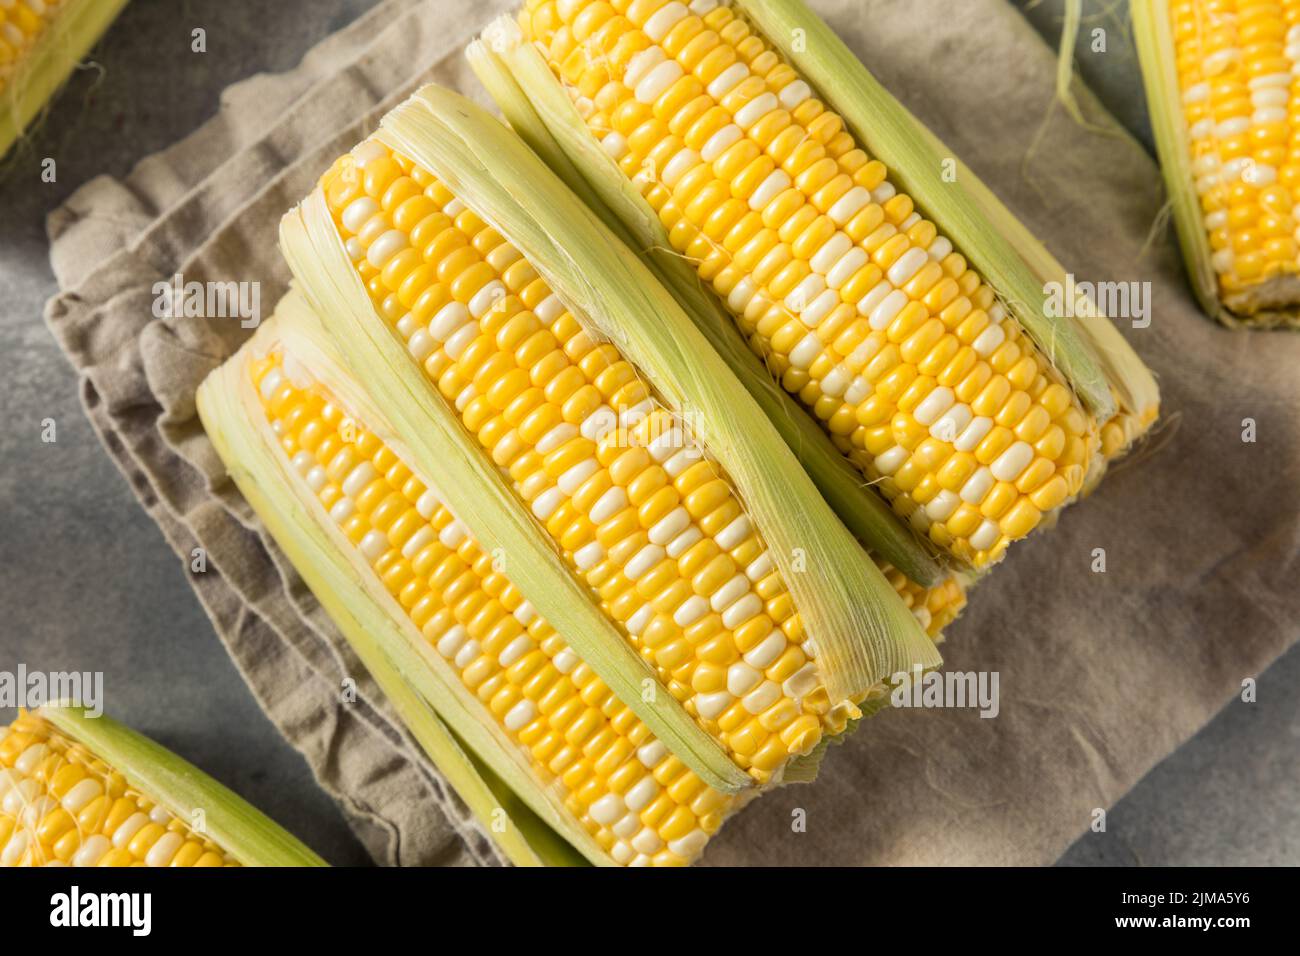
<point x="1101" y="674"/>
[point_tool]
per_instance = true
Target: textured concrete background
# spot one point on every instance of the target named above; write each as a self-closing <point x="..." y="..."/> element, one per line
<point x="89" y="584"/>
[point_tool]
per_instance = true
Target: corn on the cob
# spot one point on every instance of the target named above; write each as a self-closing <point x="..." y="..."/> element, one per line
<point x="63" y="805"/>
<point x="1219" y="77"/>
<point x="637" y="509"/>
<point x="583" y="438"/>
<point x="40" y="44"/>
<point x="638" y="803"/>
<point x="858" y="304"/>
<point x="472" y="754"/>
<point x="477" y="444"/>
<point x="117" y="799"/>
<point x="584" y="750"/>
<point x="863" y="511"/>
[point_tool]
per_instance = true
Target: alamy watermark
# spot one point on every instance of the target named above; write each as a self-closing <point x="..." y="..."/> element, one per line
<point x="1115" y="300"/>
<point x="176" y="298"/>
<point x="31" y="689"/>
<point x="129" y="910"/>
<point x="941" y="689"/>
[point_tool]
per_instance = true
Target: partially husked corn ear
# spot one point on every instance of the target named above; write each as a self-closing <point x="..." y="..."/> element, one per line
<point x="261" y="443"/>
<point x="864" y="513"/>
<point x="59" y="804"/>
<point x="63" y="805"/>
<point x="580" y="424"/>
<point x="639" y="802"/>
<point x="637" y="508"/>
<point x="1221" y="76"/>
<point x="1235" y="68"/>
<point x="856" y="302"/>
<point x="40" y="43"/>
<point x="1104" y="371"/>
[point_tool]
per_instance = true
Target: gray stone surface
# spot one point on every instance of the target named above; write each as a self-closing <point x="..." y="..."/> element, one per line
<point x="89" y="583"/>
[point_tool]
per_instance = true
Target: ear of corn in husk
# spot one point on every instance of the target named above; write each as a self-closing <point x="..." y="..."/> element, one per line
<point x="1219" y="80"/>
<point x="438" y="448"/>
<point x="452" y="642"/>
<point x="539" y="749"/>
<point x="975" y="416"/>
<point x="267" y="410"/>
<point x="82" y="790"/>
<point x="41" y="42"/>
<point x="861" y="509"/>
<point x="430" y="253"/>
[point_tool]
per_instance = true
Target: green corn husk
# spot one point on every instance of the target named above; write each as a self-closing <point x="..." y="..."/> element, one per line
<point x="1153" y="35"/>
<point x="76" y="27"/>
<point x="493" y="777"/>
<point x="507" y="65"/>
<point x="864" y="632"/>
<point x="230" y="821"/>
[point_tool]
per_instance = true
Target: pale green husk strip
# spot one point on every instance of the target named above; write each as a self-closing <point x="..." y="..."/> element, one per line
<point x="1071" y="21"/>
<point x="442" y="451"/>
<point x="421" y="687"/>
<point x="229" y="820"/>
<point x="508" y="65"/>
<point x="1065" y="60"/>
<point x="886" y="129"/>
<point x="76" y="27"/>
<point x="863" y="630"/>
